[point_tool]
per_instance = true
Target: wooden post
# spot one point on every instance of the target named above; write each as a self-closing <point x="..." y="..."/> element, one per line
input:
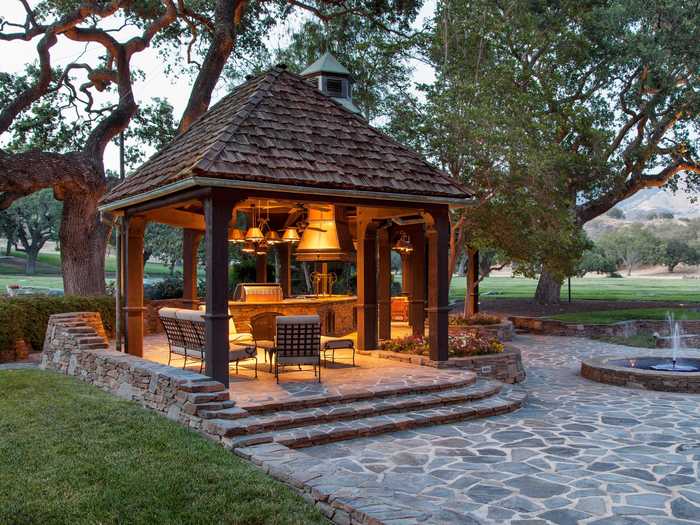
<point x="261" y="268"/>
<point x="136" y="227"/>
<point x="284" y="253"/>
<point x="417" y="301"/>
<point x="217" y="214"/>
<point x="406" y="273"/>
<point x="366" y="282"/>
<point x="472" y="282"/>
<point x="438" y="306"/>
<point x="384" y="294"/>
<point x="190" y="247"/>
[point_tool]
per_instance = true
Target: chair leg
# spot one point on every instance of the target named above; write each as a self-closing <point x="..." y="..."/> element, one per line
<point x="277" y="371"/>
<point x="319" y="369"/>
<point x="256" y="367"/>
<point x="236" y="367"/>
<point x="170" y="356"/>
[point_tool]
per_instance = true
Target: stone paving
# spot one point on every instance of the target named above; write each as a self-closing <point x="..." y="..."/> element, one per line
<point x="578" y="452"/>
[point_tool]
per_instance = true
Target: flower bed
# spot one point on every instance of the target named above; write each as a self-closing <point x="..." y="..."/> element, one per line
<point x="462" y="345"/>
<point x="483" y="325"/>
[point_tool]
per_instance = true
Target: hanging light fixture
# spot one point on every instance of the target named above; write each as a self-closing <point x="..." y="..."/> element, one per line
<point x="248" y="247"/>
<point x="261" y="248"/>
<point x="236" y="236"/>
<point x="290" y="235"/>
<point x="254" y="233"/>
<point x="403" y="243"/>
<point x="272" y="237"/>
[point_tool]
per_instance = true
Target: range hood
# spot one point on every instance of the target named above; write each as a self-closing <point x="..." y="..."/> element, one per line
<point x="326" y="237"/>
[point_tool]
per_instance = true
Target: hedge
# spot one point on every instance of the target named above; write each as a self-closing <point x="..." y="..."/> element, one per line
<point x="27" y="317"/>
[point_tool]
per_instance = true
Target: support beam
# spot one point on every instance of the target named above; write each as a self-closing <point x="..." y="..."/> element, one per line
<point x="472" y="305"/>
<point x="217" y="213"/>
<point x="135" y="228"/>
<point x="366" y="282"/>
<point x="384" y="291"/>
<point x="261" y="268"/>
<point x="284" y="253"/>
<point x="418" y="275"/>
<point x="439" y="283"/>
<point x="190" y="247"/>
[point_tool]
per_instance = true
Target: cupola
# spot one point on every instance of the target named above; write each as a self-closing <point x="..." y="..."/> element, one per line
<point x="332" y="79"/>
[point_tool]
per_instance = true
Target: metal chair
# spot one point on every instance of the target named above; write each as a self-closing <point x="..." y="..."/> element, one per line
<point x="176" y="341"/>
<point x="264" y="329"/>
<point x="298" y="342"/>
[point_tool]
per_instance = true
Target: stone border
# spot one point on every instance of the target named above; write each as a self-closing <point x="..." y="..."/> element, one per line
<point x="503" y="331"/>
<point x="506" y="367"/>
<point x="543" y="326"/>
<point x="601" y="370"/>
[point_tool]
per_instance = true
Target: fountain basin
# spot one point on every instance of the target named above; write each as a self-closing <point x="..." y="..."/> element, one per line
<point x="647" y="372"/>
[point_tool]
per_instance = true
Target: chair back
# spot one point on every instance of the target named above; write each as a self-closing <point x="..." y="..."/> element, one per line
<point x="168" y="318"/>
<point x="264" y="326"/>
<point x="298" y="336"/>
<point x="191" y="324"/>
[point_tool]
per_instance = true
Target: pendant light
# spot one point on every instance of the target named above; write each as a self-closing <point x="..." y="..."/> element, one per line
<point x="403" y="244"/>
<point x="290" y="235"/>
<point x="236" y="236"/>
<point x="248" y="247"/>
<point x="254" y="233"/>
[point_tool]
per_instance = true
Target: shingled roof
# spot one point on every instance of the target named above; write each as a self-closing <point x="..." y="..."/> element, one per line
<point x="278" y="129"/>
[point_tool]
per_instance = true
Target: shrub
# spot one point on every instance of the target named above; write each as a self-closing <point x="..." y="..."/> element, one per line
<point x="168" y="288"/>
<point x="483" y="319"/>
<point x="26" y="317"/>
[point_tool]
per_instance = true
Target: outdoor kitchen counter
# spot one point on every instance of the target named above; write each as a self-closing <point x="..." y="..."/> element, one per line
<point x="336" y="311"/>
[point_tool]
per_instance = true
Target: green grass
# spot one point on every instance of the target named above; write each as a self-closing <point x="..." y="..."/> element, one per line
<point x="625" y="289"/>
<point x="72" y="454"/>
<point x="637" y="341"/>
<point x="44" y="281"/>
<point x="614" y="316"/>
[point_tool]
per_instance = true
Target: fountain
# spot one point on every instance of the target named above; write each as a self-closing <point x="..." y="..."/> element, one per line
<point x="671" y="374"/>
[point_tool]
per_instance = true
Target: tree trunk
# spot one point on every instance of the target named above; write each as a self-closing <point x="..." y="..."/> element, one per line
<point x="8" y="248"/>
<point x="83" y="245"/>
<point x="32" y="255"/>
<point x="548" y="289"/>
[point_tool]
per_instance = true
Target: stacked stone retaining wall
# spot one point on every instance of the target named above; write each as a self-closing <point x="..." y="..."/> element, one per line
<point x="76" y="345"/>
<point x="621" y="329"/>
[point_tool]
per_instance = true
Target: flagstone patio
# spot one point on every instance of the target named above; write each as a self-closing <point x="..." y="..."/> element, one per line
<point x="578" y="452"/>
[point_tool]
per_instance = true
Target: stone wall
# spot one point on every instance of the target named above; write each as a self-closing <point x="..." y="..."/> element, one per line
<point x="506" y="367"/>
<point x="603" y="371"/>
<point x="76" y="345"/>
<point x="622" y="329"/>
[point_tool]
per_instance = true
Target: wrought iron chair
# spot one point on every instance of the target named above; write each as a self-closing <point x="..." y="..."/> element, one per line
<point x="264" y="329"/>
<point x="176" y="341"/>
<point x="298" y="342"/>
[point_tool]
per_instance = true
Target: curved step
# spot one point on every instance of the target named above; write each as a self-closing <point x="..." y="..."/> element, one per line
<point x="318" y="434"/>
<point x="230" y="423"/>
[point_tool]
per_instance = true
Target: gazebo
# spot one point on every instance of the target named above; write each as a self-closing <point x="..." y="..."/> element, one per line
<point x="288" y="144"/>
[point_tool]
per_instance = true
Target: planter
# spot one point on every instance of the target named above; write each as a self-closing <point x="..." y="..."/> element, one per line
<point x="502" y="331"/>
<point x="506" y="366"/>
<point x="19" y="352"/>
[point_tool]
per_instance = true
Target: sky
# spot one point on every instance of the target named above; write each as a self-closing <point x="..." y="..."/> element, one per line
<point x="16" y="55"/>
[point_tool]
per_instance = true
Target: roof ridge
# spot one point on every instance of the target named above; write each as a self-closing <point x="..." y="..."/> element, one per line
<point x="210" y="156"/>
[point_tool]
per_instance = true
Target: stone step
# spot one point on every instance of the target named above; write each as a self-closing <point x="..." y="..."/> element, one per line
<point x="379" y="391"/>
<point x="196" y="408"/>
<point x="226" y="413"/>
<point x="202" y="386"/>
<point x="285" y="419"/>
<point x="343" y="430"/>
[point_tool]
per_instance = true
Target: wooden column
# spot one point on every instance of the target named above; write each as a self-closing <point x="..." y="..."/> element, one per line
<point x="134" y="285"/>
<point x="439" y="283"/>
<point x="472" y="282"/>
<point x="217" y="214"/>
<point x="190" y="247"/>
<point x="384" y="284"/>
<point x="366" y="282"/>
<point x="417" y="300"/>
<point x="261" y="268"/>
<point x="284" y="252"/>
<point x="406" y="273"/>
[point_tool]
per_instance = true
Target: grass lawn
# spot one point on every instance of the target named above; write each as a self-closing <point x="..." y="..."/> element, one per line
<point x="70" y="453"/>
<point x="614" y="316"/>
<point x="44" y="281"/>
<point x="637" y="341"/>
<point x="625" y="289"/>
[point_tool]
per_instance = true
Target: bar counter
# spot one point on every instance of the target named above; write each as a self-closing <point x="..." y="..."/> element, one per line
<point x="336" y="311"/>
